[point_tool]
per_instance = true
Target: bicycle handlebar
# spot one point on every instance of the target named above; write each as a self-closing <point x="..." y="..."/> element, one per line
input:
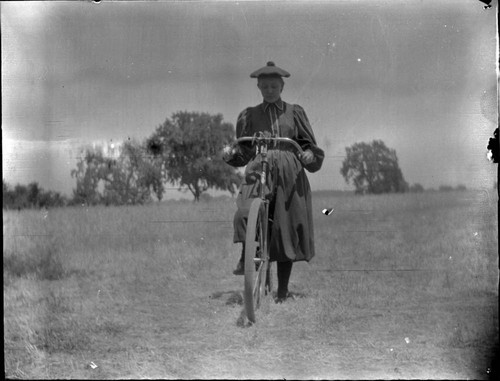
<point x="267" y="139"/>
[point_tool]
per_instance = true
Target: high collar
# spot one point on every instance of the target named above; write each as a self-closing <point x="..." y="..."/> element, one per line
<point x="279" y="104"/>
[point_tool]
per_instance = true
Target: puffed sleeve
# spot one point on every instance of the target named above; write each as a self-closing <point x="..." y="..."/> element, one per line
<point x="243" y="152"/>
<point x="305" y="138"/>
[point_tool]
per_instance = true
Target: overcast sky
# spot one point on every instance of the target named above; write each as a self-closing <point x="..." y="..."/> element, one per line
<point x="420" y="75"/>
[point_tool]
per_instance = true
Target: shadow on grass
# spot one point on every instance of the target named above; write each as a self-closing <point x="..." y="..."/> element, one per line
<point x="236" y="297"/>
<point x="232" y="297"/>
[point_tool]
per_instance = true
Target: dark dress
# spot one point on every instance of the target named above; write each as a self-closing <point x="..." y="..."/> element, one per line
<point x="292" y="237"/>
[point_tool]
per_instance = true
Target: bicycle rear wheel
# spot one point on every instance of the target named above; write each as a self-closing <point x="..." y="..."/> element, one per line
<point x="256" y="257"/>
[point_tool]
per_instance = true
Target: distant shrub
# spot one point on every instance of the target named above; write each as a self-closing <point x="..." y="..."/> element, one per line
<point x="445" y="188"/>
<point x="416" y="188"/>
<point x="30" y="196"/>
<point x="461" y="188"/>
<point x="206" y="197"/>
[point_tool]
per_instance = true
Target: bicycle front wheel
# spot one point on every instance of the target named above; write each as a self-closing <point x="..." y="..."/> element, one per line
<point x="256" y="257"/>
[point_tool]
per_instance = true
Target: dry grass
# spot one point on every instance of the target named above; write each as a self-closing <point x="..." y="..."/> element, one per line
<point x="402" y="286"/>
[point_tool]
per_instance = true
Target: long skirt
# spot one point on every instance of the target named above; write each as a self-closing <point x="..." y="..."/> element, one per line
<point x="292" y="236"/>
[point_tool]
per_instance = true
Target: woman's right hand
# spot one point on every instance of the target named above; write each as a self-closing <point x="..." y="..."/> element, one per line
<point x="228" y="152"/>
<point x="307" y="157"/>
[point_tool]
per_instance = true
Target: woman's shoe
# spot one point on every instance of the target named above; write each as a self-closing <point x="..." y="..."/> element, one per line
<point x="240" y="268"/>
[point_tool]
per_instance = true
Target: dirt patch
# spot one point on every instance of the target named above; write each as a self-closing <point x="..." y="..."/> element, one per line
<point x="231" y="298"/>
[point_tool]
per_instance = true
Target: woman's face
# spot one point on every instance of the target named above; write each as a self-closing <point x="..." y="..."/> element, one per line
<point x="270" y="88"/>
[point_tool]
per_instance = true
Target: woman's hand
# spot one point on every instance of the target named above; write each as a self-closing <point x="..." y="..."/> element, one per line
<point x="228" y="153"/>
<point x="307" y="157"/>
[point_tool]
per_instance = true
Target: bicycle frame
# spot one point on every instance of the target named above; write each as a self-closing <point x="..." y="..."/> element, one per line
<point x="258" y="223"/>
<point x="262" y="143"/>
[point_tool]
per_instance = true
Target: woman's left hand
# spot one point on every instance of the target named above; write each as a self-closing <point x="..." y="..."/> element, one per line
<point x="307" y="157"/>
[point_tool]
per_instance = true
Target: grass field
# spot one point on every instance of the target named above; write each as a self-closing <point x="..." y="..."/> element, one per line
<point x="402" y="286"/>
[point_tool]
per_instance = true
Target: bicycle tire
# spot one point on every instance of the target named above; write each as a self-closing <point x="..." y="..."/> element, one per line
<point x="256" y="258"/>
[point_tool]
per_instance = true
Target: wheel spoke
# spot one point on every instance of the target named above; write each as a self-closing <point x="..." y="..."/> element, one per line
<point x="256" y="293"/>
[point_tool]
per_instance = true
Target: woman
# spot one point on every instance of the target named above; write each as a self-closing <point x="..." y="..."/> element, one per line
<point x="290" y="207"/>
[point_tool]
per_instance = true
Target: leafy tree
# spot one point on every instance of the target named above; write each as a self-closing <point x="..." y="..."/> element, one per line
<point x="187" y="148"/>
<point x="373" y="168"/>
<point x="131" y="178"/>
<point x="88" y="174"/>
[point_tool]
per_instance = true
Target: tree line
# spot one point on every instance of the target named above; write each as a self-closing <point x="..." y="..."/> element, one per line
<point x="185" y="151"/>
<point x="30" y="196"/>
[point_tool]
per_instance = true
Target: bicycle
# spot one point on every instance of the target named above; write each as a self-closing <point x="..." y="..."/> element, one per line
<point x="257" y="265"/>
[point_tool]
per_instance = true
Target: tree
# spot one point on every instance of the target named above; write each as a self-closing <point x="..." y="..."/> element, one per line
<point x="132" y="178"/>
<point x="373" y="168"/>
<point x="87" y="175"/>
<point x="129" y="178"/>
<point x="188" y="147"/>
